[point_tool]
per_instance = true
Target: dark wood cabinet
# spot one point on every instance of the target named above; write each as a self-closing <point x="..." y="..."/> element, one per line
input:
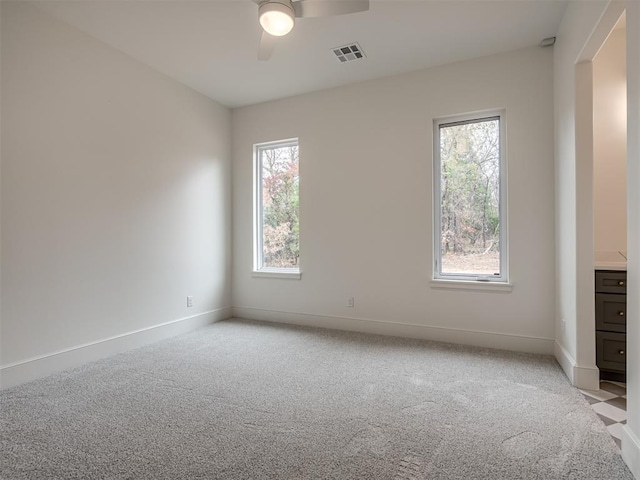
<point x="611" y="312"/>
<point x="611" y="281"/>
<point x="611" y="324"/>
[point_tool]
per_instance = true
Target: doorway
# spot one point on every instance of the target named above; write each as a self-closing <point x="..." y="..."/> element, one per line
<point x="610" y="202"/>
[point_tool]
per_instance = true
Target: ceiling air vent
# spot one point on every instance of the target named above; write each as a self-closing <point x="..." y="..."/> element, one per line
<point x="349" y="52"/>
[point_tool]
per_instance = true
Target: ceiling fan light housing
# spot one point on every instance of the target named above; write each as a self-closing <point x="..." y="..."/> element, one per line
<point x="276" y="18"/>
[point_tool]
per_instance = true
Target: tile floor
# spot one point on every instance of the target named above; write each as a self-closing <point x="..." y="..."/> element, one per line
<point x="610" y="403"/>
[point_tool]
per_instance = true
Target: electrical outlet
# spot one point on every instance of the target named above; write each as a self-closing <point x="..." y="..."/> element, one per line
<point x="351" y="302"/>
<point x="189" y="301"/>
<point x="564" y="324"/>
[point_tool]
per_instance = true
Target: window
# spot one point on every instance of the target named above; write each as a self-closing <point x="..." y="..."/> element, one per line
<point x="276" y="211"/>
<point x="470" y="198"/>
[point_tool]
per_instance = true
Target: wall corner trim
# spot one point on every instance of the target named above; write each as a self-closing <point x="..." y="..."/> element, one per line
<point x="631" y="450"/>
<point x="587" y="378"/>
<point x="501" y="341"/>
<point x="34" y="368"/>
<point x="565" y="360"/>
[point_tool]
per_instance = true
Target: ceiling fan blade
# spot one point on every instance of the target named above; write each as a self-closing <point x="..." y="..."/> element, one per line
<point x="325" y="8"/>
<point x="267" y="45"/>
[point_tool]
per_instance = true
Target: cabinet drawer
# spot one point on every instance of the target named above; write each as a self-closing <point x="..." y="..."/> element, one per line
<point x="611" y="282"/>
<point x="611" y="312"/>
<point x="611" y="351"/>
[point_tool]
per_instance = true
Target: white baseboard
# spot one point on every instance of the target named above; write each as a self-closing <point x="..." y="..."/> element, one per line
<point x="587" y="378"/>
<point x="425" y="332"/>
<point x="631" y="450"/>
<point x="38" y="367"/>
<point x="565" y="360"/>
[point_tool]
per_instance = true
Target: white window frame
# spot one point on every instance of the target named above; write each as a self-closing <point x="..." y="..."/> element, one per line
<point x="259" y="270"/>
<point x="488" y="282"/>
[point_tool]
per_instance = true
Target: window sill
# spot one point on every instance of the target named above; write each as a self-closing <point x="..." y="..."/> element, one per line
<point x="277" y="273"/>
<point x="471" y="285"/>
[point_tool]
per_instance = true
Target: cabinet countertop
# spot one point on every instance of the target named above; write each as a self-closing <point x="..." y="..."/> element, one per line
<point x="611" y="260"/>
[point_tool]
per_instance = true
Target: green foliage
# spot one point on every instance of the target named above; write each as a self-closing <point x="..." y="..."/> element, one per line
<point x="281" y="204"/>
<point x="470" y="187"/>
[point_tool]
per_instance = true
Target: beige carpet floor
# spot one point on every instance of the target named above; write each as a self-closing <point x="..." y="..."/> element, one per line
<point x="245" y="400"/>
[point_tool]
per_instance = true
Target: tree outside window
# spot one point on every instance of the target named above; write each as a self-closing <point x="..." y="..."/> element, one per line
<point x="278" y="203"/>
<point x="469" y="199"/>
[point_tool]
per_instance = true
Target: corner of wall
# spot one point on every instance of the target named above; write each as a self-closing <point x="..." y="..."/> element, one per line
<point x="565" y="360"/>
<point x="631" y="450"/>
<point x="587" y="378"/>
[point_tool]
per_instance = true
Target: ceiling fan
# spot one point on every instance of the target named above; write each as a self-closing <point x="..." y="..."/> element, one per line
<point x="277" y="17"/>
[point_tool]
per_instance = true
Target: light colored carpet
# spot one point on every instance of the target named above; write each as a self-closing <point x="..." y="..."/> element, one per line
<point x="245" y="400"/>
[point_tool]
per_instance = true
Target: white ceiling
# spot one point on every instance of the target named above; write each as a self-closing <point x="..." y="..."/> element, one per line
<point x="211" y="46"/>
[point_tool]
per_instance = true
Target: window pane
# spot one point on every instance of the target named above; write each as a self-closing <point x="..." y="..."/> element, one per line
<point x="470" y="197"/>
<point x="280" y="205"/>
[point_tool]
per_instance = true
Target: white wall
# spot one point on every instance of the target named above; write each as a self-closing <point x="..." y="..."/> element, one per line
<point x="366" y="218"/>
<point x="631" y="433"/>
<point x="583" y="31"/>
<point x="0" y="185"/>
<point x="115" y="199"/>
<point x="610" y="144"/>
<point x="575" y="30"/>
